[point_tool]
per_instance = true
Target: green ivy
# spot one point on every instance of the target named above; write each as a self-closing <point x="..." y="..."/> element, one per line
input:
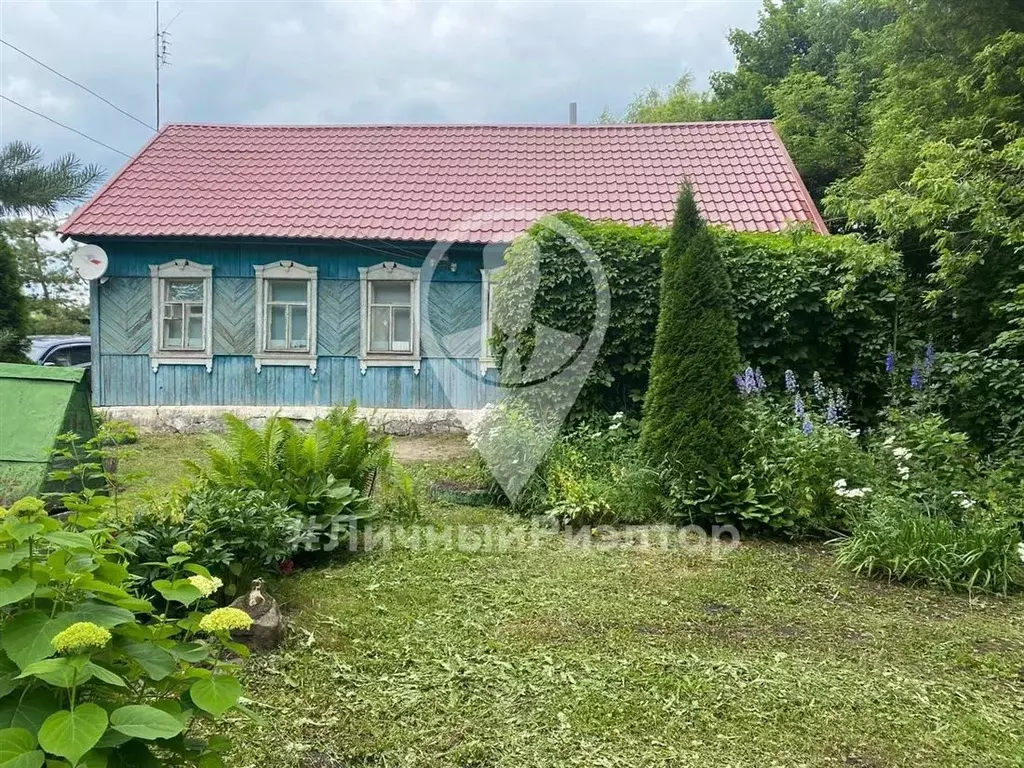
<point x="802" y="301"/>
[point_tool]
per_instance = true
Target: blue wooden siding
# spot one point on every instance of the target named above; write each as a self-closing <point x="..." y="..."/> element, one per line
<point x="122" y="310"/>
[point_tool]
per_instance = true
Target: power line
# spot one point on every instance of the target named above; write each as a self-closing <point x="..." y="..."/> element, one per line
<point x="62" y="125"/>
<point x="75" y="82"/>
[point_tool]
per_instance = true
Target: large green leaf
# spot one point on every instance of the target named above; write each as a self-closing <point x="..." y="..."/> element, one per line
<point x="26" y="636"/>
<point x="11" y="557"/>
<point x="142" y="722"/>
<point x="102" y="614"/>
<point x="17" y="591"/>
<point x="70" y="540"/>
<point x="59" y="672"/>
<point x="179" y="591"/>
<point x="191" y="652"/>
<point x="104" y="674"/>
<point x="157" y="661"/>
<point x="18" y="749"/>
<point x="8" y="672"/>
<point x="216" y="694"/>
<point x="28" y="711"/>
<point x="72" y="733"/>
<point x="21" y="530"/>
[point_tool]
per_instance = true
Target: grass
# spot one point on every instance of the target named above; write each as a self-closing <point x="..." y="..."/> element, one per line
<point x="765" y="655"/>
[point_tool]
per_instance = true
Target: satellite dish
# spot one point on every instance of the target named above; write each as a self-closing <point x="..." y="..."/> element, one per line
<point x="90" y="262"/>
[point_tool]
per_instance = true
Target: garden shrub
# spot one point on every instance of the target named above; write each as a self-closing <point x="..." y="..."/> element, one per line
<point x="691" y="412"/>
<point x="92" y="675"/>
<point x="238" y="534"/>
<point x="801" y="300"/>
<point x="939" y="514"/>
<point x="800" y="460"/>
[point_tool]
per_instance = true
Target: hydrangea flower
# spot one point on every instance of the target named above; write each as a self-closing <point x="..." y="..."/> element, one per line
<point x="225" y="620"/>
<point x="205" y="586"/>
<point x="79" y="636"/>
<point x="182" y="548"/>
<point x="790" y="378"/>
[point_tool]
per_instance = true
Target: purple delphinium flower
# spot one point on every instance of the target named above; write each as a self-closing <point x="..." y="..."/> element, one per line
<point x="929" y="355"/>
<point x="807" y="427"/>
<point x="759" y="380"/>
<point x="820" y="393"/>
<point x="831" y="411"/>
<point x="741" y="383"/>
<point x="890" y="362"/>
<point x="798" y="407"/>
<point x="916" y="378"/>
<point x="791" y="385"/>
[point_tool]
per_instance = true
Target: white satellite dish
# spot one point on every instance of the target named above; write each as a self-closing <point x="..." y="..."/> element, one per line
<point x="90" y="262"/>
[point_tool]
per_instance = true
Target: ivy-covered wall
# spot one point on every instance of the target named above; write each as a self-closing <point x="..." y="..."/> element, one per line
<point x="803" y="301"/>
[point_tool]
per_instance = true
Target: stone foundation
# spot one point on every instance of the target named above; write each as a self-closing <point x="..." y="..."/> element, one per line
<point x="192" y="419"/>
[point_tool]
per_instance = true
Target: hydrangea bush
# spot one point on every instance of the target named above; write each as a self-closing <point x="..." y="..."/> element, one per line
<point x="92" y="675"/>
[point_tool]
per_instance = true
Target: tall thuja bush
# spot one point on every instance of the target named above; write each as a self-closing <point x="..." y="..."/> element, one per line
<point x="692" y="413"/>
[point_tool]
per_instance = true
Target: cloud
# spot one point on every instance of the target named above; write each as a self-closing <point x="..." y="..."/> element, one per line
<point x="355" y="62"/>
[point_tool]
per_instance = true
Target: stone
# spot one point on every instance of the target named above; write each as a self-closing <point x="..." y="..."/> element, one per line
<point x="269" y="627"/>
<point x="196" y="419"/>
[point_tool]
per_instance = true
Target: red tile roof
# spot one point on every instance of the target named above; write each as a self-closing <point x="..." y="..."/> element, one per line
<point x="438" y="182"/>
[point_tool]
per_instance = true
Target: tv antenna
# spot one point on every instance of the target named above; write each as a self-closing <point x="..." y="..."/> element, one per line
<point x="162" y="53"/>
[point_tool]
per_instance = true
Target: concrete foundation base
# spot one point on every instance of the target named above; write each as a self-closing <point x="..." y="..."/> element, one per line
<point x="191" y="419"/>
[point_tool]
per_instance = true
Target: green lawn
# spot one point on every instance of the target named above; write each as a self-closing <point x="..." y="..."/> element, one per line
<point x="763" y="656"/>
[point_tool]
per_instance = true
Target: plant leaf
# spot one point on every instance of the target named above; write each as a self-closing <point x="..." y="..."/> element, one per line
<point x="16" y="592"/>
<point x="28" y="711"/>
<point x="26" y="637"/>
<point x="156" y="661"/>
<point x="180" y="591"/>
<point x="144" y="722"/>
<point x="216" y="694"/>
<point x="72" y="733"/>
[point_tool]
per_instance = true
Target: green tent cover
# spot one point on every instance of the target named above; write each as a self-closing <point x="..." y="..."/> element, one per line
<point x="38" y="403"/>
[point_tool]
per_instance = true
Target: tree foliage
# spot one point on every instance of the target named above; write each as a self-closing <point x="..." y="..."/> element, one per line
<point x="692" y="411"/>
<point x="29" y="184"/>
<point x="13" y="313"/>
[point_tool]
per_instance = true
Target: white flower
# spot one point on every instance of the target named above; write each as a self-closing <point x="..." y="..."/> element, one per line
<point x="854" y="433"/>
<point x="902" y="453"/>
<point x="1020" y="551"/>
<point x="903" y="471"/>
<point x="966" y="503"/>
<point x="614" y="426"/>
<point x="839" y="484"/>
<point x="888" y="441"/>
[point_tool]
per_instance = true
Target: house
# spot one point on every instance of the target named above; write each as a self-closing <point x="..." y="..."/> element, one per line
<point x="258" y="267"/>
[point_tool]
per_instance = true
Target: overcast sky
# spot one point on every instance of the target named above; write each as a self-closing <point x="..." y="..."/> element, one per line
<point x="343" y="62"/>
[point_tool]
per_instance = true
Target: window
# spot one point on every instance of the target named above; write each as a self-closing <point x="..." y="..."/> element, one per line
<point x="286" y="315"/>
<point x="69" y="355"/>
<point x="182" y="314"/>
<point x="487" y="320"/>
<point x="389" y="305"/>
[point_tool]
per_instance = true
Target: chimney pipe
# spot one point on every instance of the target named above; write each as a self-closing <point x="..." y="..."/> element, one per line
<point x="572" y="113"/>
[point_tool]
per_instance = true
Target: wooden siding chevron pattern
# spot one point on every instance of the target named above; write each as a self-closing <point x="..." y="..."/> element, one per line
<point x="455" y="318"/>
<point x="337" y="317"/>
<point x="234" y="316"/>
<point x="125" y="309"/>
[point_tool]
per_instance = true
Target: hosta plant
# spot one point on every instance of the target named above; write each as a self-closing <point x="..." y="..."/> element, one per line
<point x="90" y="674"/>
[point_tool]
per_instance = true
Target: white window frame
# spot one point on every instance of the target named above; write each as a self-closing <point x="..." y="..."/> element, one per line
<point x="487" y="360"/>
<point x="181" y="269"/>
<point x="285" y="270"/>
<point x="388" y="270"/>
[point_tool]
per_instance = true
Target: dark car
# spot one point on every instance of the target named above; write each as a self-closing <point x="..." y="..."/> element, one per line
<point x="75" y="351"/>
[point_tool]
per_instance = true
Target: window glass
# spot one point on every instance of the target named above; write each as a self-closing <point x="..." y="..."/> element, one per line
<point x="172" y="331"/>
<point x="391" y="292"/>
<point x="278" y="335"/>
<point x="380" y="329"/>
<point x="79" y="355"/>
<point x="402" y="338"/>
<point x="288" y="290"/>
<point x="299" y="334"/>
<point x="185" y="290"/>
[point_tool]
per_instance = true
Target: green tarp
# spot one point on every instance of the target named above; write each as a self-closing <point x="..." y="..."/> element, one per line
<point x="37" y="404"/>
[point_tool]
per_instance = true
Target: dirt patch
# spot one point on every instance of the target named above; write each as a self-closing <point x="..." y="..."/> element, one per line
<point x="431" y="448"/>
